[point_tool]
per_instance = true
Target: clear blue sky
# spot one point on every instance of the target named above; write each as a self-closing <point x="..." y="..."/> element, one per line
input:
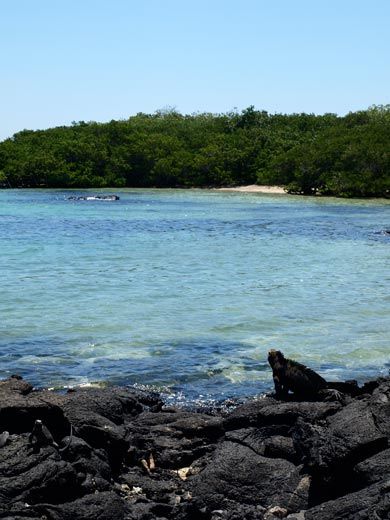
<point x="65" y="60"/>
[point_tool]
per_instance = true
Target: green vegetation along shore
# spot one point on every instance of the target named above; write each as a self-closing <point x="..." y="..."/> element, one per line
<point x="309" y="154"/>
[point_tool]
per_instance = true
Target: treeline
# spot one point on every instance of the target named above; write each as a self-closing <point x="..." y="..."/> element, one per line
<point x="344" y="156"/>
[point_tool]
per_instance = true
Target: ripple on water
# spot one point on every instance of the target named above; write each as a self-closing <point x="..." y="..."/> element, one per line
<point x="188" y="290"/>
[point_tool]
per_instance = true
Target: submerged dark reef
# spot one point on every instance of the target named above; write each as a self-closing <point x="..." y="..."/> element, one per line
<point x="120" y="453"/>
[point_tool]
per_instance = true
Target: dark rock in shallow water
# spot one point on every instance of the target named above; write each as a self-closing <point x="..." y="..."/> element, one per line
<point x="14" y="385"/>
<point x="128" y="458"/>
<point x="94" y="197"/>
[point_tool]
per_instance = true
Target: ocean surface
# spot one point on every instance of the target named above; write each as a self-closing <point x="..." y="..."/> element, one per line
<point x="185" y="291"/>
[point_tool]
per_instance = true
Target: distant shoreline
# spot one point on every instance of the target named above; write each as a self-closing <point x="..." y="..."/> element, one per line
<point x="255" y="188"/>
<point x="251" y="188"/>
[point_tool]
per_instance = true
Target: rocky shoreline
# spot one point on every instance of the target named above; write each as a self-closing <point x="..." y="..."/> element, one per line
<point x="131" y="457"/>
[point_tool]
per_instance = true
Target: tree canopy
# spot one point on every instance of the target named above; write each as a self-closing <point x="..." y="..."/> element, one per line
<point x="325" y="154"/>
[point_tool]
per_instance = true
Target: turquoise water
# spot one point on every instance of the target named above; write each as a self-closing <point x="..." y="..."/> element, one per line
<point x="188" y="290"/>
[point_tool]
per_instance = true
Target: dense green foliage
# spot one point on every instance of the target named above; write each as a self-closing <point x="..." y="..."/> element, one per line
<point x="344" y="156"/>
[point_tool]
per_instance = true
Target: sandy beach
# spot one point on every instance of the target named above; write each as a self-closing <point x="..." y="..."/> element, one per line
<point x="255" y="188"/>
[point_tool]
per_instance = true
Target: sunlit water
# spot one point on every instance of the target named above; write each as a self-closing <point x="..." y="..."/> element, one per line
<point x="188" y="290"/>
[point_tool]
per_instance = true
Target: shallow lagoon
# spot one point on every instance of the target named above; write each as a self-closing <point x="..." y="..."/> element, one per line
<point x="189" y="289"/>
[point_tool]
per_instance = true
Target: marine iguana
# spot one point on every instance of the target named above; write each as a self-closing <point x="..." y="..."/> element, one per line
<point x="4" y="438"/>
<point x="289" y="375"/>
<point x="41" y="436"/>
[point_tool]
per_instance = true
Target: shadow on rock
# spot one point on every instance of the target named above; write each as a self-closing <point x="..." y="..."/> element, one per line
<point x="118" y="453"/>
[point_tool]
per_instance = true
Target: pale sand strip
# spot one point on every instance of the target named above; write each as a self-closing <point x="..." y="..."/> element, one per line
<point x="255" y="188"/>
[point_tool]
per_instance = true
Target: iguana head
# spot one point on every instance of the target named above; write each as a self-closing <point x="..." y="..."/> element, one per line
<point x="276" y="356"/>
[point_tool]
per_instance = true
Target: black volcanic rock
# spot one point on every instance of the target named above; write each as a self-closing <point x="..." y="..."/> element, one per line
<point x="237" y="475"/>
<point x="374" y="469"/>
<point x="369" y="503"/>
<point x="119" y="454"/>
<point x="269" y="411"/>
<point x="29" y="477"/>
<point x="175" y="439"/>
